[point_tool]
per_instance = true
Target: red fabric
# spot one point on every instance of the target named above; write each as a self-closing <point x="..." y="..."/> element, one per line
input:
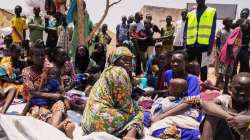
<point x="146" y="104"/>
<point x="234" y="39"/>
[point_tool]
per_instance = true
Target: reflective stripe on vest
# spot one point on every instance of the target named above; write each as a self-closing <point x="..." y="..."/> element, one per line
<point x="200" y="32"/>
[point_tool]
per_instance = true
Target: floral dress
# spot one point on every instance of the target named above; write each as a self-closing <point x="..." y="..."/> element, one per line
<point x="32" y="82"/>
<point x="110" y="107"/>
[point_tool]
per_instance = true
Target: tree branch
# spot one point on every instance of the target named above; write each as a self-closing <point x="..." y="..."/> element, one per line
<point x="98" y="24"/>
<point x="114" y="3"/>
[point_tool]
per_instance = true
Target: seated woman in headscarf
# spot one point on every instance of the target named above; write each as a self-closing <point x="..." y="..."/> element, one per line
<point x="99" y="55"/>
<point x="110" y="107"/>
<point x="10" y="71"/>
<point x="87" y="69"/>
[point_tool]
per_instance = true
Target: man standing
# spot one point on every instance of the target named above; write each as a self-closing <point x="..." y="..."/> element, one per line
<point x="36" y="26"/>
<point x="122" y="32"/>
<point x="138" y="21"/>
<point x="180" y="25"/>
<point x="103" y="37"/>
<point x="199" y="34"/>
<point x="19" y="27"/>
<point x="243" y="56"/>
<point x="168" y="33"/>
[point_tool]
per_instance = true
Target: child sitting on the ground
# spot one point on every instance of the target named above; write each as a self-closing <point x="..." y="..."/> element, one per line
<point x="172" y="126"/>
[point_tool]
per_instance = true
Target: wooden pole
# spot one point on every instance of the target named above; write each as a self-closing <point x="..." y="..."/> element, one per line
<point x="81" y="22"/>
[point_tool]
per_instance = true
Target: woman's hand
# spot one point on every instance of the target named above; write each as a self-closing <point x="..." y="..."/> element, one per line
<point x="239" y="121"/>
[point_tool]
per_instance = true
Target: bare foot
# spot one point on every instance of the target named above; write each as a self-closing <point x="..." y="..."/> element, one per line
<point x="128" y="138"/>
<point x="69" y="129"/>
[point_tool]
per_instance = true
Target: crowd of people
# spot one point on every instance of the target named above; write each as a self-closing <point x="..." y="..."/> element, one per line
<point x="149" y="85"/>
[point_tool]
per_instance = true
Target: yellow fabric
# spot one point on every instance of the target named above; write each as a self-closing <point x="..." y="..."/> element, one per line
<point x="200" y="31"/>
<point x="19" y="88"/>
<point x="20" y="24"/>
<point x="7" y="69"/>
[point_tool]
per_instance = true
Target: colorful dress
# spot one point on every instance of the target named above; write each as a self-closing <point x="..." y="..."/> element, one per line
<point x="110" y="107"/>
<point x="6" y="69"/>
<point x="33" y="82"/>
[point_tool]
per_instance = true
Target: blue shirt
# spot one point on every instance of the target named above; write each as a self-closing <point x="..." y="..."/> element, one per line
<point x="192" y="81"/>
<point x="122" y="32"/>
<point x="199" y="13"/>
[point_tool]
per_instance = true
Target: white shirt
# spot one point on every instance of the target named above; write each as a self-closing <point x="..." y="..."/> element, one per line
<point x="139" y="26"/>
<point x="178" y="40"/>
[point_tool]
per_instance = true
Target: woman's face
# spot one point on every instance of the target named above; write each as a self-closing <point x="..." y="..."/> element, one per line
<point x="81" y="51"/>
<point x="178" y="62"/>
<point x="126" y="63"/>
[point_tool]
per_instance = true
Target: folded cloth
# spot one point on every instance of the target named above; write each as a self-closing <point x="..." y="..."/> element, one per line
<point x="23" y="128"/>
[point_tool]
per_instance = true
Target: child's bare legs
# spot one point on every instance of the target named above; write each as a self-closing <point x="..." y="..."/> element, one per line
<point x="209" y="126"/>
<point x="10" y="97"/>
<point x="56" y="118"/>
<point x="26" y="109"/>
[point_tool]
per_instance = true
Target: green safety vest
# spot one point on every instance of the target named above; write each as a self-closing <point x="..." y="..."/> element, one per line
<point x="201" y="31"/>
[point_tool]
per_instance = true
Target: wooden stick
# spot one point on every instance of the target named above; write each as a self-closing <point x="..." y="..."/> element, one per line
<point x="81" y="21"/>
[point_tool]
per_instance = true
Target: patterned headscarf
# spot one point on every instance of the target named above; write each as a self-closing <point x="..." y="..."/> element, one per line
<point x="119" y="52"/>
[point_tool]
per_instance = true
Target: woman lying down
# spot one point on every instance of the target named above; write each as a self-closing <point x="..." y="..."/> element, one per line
<point x="184" y="126"/>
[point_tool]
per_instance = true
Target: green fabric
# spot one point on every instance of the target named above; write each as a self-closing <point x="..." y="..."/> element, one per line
<point x="87" y="30"/>
<point x="204" y="25"/>
<point x="36" y="26"/>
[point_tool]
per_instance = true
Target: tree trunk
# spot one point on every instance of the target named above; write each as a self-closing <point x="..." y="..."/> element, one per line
<point x="81" y="22"/>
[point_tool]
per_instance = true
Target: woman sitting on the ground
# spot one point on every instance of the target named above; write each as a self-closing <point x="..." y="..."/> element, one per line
<point x="178" y="64"/>
<point x="110" y="107"/>
<point x="33" y="78"/>
<point x="87" y="69"/>
<point x="10" y="73"/>
<point x="99" y="55"/>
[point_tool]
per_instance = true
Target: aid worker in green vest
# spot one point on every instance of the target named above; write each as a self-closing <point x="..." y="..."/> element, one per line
<point x="199" y="34"/>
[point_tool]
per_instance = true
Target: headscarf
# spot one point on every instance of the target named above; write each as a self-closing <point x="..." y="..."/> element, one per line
<point x="82" y="65"/>
<point x="119" y="52"/>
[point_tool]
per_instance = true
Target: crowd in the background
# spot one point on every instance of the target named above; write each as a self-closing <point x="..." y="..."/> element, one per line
<point x="150" y="82"/>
